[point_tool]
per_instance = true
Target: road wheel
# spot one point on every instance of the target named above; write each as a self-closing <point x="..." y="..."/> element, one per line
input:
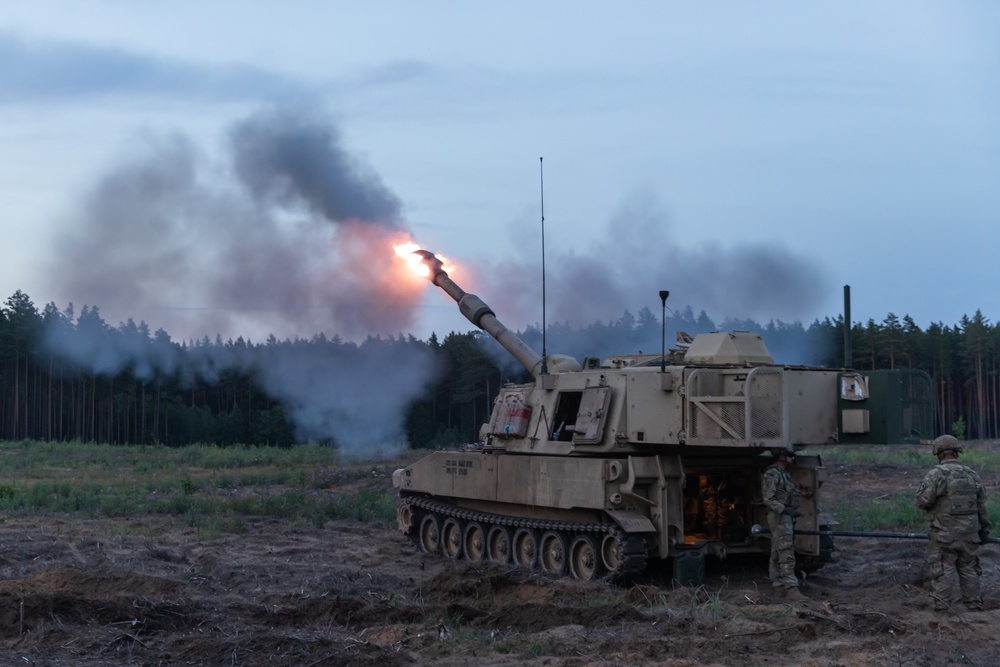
<point x="552" y="553"/>
<point x="451" y="538"/>
<point x="525" y="547"/>
<point x="498" y="544"/>
<point x="430" y="534"/>
<point x="611" y="553"/>
<point x="474" y="542"/>
<point x="585" y="558"/>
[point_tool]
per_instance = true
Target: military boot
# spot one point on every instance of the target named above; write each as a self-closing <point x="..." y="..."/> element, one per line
<point x="795" y="595"/>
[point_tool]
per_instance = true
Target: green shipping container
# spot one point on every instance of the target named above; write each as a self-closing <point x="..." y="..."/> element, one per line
<point x="899" y="409"/>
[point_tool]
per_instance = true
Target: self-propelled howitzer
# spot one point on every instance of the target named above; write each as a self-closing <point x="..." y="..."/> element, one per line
<point x="597" y="468"/>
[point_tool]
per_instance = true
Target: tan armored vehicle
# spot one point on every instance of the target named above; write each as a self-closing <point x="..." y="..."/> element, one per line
<point x="596" y="468"/>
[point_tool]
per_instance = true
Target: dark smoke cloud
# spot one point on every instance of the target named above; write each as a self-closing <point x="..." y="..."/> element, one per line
<point x="288" y="235"/>
<point x="635" y="258"/>
<point x="288" y="158"/>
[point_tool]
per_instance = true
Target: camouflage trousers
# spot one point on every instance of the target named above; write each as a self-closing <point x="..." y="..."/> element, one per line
<point x="715" y="516"/>
<point x="782" y="565"/>
<point x="947" y="558"/>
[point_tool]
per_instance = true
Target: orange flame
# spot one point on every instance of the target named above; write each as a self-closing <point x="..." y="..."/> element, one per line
<point x="406" y="250"/>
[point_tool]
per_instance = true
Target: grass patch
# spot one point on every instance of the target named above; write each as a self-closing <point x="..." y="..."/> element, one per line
<point x="896" y="512"/>
<point x="214" y="489"/>
<point x="982" y="455"/>
<point x="860" y="509"/>
<point x="688" y="602"/>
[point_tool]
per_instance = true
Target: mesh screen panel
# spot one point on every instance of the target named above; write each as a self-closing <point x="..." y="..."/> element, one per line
<point x="765" y="396"/>
<point x="719" y="408"/>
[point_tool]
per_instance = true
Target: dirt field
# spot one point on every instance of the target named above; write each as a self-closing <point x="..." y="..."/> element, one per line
<point x="98" y="593"/>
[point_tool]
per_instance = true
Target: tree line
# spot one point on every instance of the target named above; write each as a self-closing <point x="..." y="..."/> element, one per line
<point x="66" y="377"/>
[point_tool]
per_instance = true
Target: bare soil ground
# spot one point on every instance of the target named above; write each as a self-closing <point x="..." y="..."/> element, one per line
<point x="97" y="592"/>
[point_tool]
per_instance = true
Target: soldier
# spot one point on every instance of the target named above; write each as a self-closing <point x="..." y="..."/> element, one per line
<point x="782" y="498"/>
<point x="713" y="504"/>
<point x="955" y="501"/>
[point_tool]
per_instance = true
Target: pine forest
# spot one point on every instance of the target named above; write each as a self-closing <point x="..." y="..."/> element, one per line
<point x="73" y="377"/>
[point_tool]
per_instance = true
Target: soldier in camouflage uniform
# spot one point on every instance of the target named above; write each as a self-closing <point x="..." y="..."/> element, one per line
<point x="955" y="501"/>
<point x="713" y="504"/>
<point x="782" y="498"/>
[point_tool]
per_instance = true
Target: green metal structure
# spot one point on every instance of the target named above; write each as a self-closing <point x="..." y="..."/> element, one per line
<point x="894" y="407"/>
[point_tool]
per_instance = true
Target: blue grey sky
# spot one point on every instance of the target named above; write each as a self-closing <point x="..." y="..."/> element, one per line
<point x="752" y="159"/>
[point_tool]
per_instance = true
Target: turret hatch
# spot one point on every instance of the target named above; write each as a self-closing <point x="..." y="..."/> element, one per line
<point x="592" y="415"/>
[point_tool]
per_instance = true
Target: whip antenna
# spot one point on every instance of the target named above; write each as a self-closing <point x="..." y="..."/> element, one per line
<point x="663" y="331"/>
<point x="545" y="354"/>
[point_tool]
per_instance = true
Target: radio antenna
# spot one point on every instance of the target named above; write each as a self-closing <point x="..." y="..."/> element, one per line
<point x="663" y="331"/>
<point x="545" y="354"/>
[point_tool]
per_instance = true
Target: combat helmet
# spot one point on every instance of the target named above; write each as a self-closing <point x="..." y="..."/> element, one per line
<point x="944" y="443"/>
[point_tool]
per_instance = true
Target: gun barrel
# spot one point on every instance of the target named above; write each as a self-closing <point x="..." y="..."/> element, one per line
<point x="476" y="311"/>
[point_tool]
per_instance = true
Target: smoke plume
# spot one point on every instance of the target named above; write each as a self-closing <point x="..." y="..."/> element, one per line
<point x="286" y="233"/>
<point x="637" y="256"/>
<point x="285" y="160"/>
